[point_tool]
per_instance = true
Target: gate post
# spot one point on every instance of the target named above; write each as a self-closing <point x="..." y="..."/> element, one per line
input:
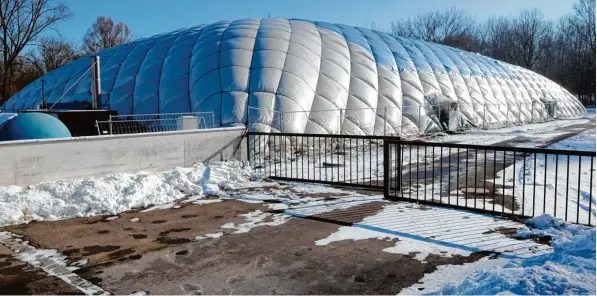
<point x="248" y="135"/>
<point x="386" y="169"/>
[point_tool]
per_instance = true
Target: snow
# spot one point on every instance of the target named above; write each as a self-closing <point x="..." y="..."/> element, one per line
<point x="447" y="274"/>
<point x="583" y="142"/>
<point x="570" y="269"/>
<point x="567" y="192"/>
<point x="134" y="220"/>
<point x="117" y="193"/>
<point x="424" y="230"/>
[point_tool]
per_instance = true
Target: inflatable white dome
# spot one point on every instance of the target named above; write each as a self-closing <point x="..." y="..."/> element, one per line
<point x="307" y="76"/>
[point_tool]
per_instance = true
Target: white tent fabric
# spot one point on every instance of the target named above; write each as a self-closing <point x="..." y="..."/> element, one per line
<point x="307" y="77"/>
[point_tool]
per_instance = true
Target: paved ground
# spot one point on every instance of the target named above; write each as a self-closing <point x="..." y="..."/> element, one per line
<point x="158" y="252"/>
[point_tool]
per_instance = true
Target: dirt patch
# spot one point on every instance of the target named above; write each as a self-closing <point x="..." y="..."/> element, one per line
<point x="511" y="232"/>
<point x="78" y="238"/>
<point x="18" y="278"/>
<point x="279" y="260"/>
<point x="96" y="249"/>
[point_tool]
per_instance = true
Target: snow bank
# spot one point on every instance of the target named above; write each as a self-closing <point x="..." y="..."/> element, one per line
<point x="116" y="193"/>
<point x="570" y="269"/>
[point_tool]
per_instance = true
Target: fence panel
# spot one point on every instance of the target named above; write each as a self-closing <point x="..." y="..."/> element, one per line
<point x="519" y="182"/>
<point x="149" y="123"/>
<point x="507" y="181"/>
<point x="332" y="159"/>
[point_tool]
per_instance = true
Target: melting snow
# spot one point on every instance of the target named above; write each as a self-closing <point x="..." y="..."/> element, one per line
<point x="117" y="193"/>
<point x="570" y="269"/>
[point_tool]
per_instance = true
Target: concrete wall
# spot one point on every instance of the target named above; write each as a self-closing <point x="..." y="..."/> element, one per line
<point x="32" y="161"/>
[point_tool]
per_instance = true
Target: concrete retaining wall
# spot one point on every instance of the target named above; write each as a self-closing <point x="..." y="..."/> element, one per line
<point x="32" y="161"/>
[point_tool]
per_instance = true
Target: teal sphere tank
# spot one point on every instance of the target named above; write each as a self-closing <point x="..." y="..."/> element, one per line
<point x="29" y="126"/>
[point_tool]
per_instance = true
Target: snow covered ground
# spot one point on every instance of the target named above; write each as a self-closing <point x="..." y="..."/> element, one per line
<point x="569" y="269"/>
<point x="117" y="193"/>
<point x="445" y="232"/>
<point x="567" y="192"/>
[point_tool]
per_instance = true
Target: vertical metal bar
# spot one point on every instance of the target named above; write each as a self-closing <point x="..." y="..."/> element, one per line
<point x="590" y="191"/>
<point x="425" y="176"/>
<point x="441" y="173"/>
<point x="494" y="193"/>
<point x="399" y="169"/>
<point x="363" y="158"/>
<point x="449" y="174"/>
<point x="504" y="185"/>
<point x="338" y="158"/>
<point x="325" y="149"/>
<point x="291" y="154"/>
<point x="555" y="194"/>
<point x="457" y="176"/>
<point x="475" y="195"/>
<point x="357" y="153"/>
<point x="484" y="176"/>
<point x="534" y="181"/>
<point x="370" y="166"/>
<point x="545" y="184"/>
<point x="321" y="167"/>
<point x="350" y="158"/>
<point x="514" y="179"/>
<point x="578" y="191"/>
<point x="524" y="177"/>
<point x="377" y="163"/>
<point x="418" y="181"/>
<point x="432" y="173"/>
<point x="410" y="168"/>
<point x="466" y="180"/>
<point x="386" y="169"/>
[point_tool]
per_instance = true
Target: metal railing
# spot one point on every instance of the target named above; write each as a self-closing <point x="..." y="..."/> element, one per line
<point x="149" y="123"/>
<point x="507" y="181"/>
<point x="332" y="159"/>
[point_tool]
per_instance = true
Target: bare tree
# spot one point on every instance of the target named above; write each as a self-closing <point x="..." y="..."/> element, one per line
<point x="495" y="39"/>
<point x="21" y="23"/>
<point x="104" y="34"/>
<point x="532" y="36"/>
<point x="52" y="53"/>
<point x="450" y="26"/>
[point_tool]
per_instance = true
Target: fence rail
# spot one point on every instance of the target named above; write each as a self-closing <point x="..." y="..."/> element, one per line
<point x="148" y="123"/>
<point x="508" y="181"/>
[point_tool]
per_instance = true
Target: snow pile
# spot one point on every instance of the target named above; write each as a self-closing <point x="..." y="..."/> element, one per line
<point x="570" y="269"/>
<point x="116" y="193"/>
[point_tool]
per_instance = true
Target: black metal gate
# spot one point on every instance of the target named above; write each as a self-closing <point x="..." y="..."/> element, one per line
<point x="508" y="181"/>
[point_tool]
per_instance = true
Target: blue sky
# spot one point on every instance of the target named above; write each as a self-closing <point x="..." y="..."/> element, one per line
<point x="149" y="17"/>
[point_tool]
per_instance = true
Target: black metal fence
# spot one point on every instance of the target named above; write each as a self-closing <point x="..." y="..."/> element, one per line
<point x="348" y="160"/>
<point x="508" y="181"/>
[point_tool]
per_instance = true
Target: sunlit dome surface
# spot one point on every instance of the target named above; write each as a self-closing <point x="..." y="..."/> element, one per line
<point x="312" y="77"/>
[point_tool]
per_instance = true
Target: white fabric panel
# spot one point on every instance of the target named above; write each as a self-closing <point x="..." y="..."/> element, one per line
<point x="389" y="101"/>
<point x="331" y="93"/>
<point x="299" y="76"/>
<point x="410" y="85"/>
<point x="362" y="95"/>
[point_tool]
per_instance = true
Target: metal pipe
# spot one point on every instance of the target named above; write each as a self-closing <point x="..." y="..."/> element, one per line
<point x="96" y="82"/>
